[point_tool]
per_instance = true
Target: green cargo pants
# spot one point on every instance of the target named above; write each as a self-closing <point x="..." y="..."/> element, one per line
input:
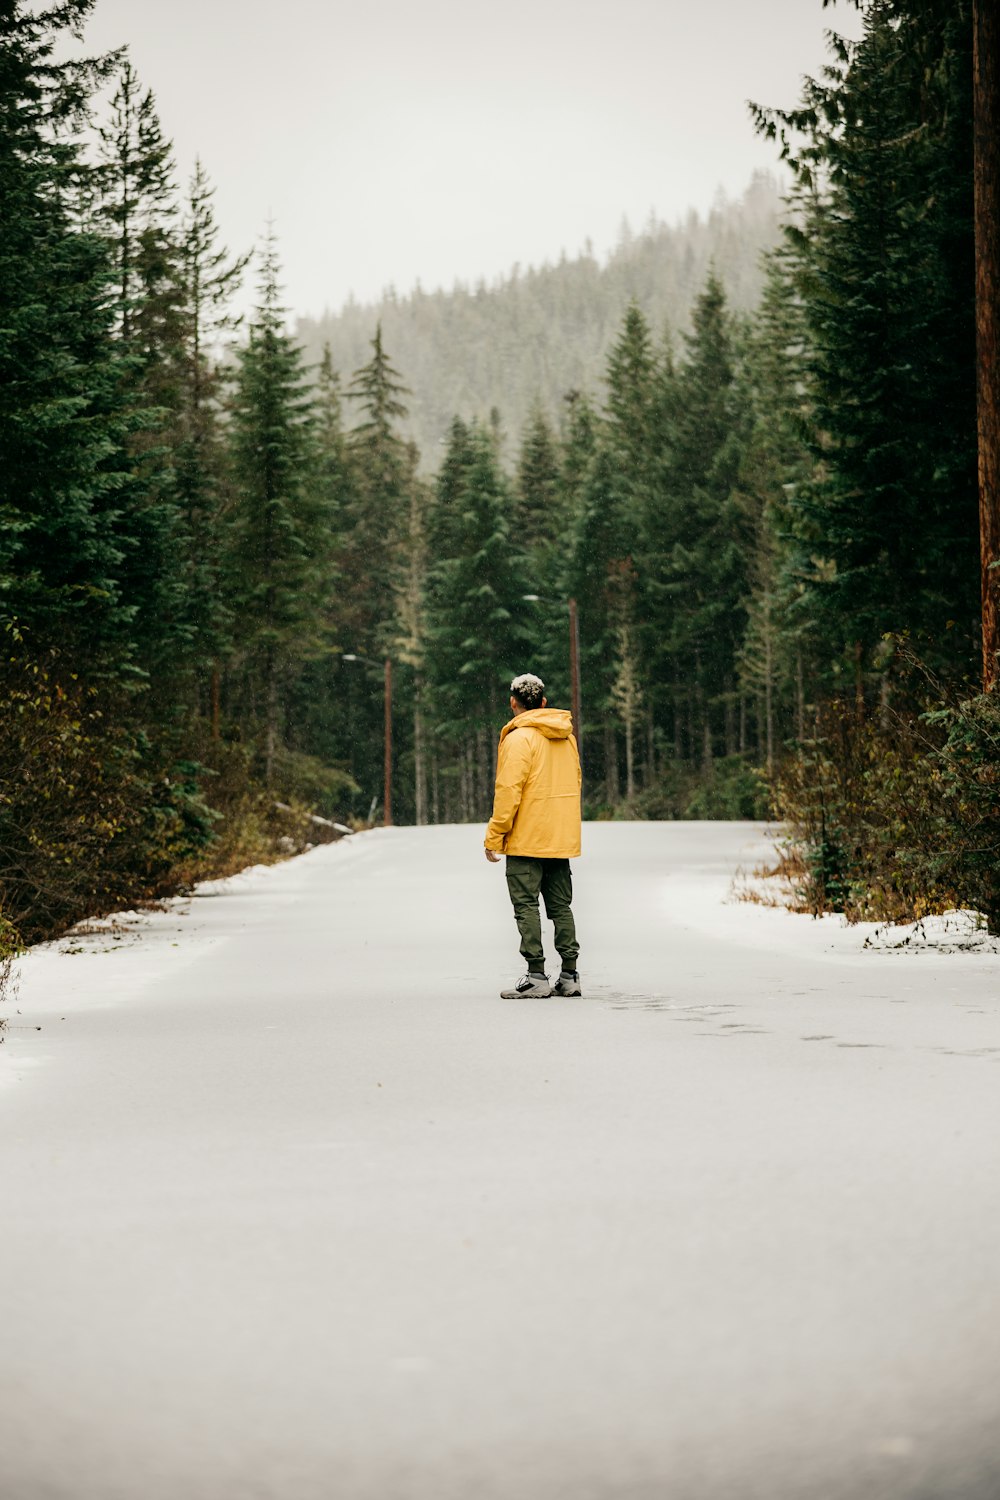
<point x="527" y="877"/>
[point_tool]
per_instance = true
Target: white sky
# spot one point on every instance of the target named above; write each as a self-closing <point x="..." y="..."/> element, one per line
<point x="450" y="139"/>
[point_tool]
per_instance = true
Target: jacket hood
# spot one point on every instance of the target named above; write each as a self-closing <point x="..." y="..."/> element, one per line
<point x="554" y="723"/>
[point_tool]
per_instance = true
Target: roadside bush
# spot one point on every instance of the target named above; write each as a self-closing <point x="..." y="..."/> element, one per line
<point x="96" y="817"/>
<point x="70" y="801"/>
<point x="665" y="800"/>
<point x="900" y="818"/>
<point x="733" y="789"/>
<point x="306" y="780"/>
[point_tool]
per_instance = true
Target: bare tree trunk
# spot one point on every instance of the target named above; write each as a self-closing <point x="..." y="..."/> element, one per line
<point x="629" y="760"/>
<point x="986" y="118"/>
<point x="463" y="784"/>
<point x="730" y="724"/>
<point x="483" y="770"/>
<point x="650" y="750"/>
<point x="800" y="699"/>
<point x="612" y="790"/>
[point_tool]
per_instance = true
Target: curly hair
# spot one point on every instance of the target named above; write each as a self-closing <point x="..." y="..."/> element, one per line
<point x="529" y="690"/>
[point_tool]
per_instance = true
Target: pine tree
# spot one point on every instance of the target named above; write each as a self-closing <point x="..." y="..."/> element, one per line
<point x="579" y="444"/>
<point x="883" y="262"/>
<point x="632" y="405"/>
<point x="705" y="569"/>
<point x="210" y="277"/>
<point x="445" y="519"/>
<point x="599" y="550"/>
<point x="381" y="469"/>
<point x="137" y="205"/>
<point x="775" y="465"/>
<point x="281" y="539"/>
<point x="62" y="423"/>
<point x="537" y="519"/>
<point x="331" y="440"/>
<point x="475" y="619"/>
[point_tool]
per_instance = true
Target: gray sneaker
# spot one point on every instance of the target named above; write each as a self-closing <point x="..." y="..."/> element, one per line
<point x="528" y="987"/>
<point x="568" y="983"/>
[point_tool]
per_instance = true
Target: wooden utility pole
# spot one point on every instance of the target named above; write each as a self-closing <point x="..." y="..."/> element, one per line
<point x="986" y="118"/>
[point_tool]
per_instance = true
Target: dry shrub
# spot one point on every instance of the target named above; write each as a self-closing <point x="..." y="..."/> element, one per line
<point x="898" y="817"/>
<point x="95" y="817"/>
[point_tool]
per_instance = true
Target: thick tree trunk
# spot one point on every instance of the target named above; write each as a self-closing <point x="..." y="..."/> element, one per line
<point x="986" y="107"/>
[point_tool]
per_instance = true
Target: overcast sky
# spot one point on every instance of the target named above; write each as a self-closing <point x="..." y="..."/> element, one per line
<point x="444" y="139"/>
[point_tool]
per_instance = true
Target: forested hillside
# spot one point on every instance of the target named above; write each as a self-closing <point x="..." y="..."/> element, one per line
<point x="753" y="485"/>
<point x="540" y="332"/>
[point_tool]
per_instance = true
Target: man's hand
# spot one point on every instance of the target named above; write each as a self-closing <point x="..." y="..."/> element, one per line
<point x="493" y="856"/>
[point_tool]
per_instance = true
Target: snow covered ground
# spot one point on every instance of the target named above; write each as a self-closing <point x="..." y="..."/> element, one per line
<point x="295" y="1207"/>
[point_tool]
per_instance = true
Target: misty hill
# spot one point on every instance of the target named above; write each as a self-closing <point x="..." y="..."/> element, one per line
<point x="538" y="333"/>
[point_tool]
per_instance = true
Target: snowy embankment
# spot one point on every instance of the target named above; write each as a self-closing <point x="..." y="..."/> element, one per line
<point x="111" y="960"/>
<point x="297" y="1206"/>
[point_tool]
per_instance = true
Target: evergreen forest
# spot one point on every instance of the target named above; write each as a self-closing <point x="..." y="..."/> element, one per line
<point x="539" y="332"/>
<point x="748" y="481"/>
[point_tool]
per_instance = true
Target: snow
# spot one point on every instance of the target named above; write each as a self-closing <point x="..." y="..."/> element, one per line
<point x="296" y="1206"/>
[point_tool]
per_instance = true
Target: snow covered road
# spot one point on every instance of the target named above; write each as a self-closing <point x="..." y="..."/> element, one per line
<point x="296" y="1208"/>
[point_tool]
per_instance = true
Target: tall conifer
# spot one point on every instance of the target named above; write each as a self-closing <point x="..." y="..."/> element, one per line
<point x="62" y="423"/>
<point x="281" y="541"/>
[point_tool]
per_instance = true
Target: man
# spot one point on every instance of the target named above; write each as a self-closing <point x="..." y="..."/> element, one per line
<point x="536" y="823"/>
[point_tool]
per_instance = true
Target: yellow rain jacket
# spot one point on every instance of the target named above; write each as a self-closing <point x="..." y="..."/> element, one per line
<point x="536" y="805"/>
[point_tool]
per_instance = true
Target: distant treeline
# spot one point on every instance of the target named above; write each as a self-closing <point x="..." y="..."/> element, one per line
<point x="765" y="515"/>
<point x="528" y="338"/>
